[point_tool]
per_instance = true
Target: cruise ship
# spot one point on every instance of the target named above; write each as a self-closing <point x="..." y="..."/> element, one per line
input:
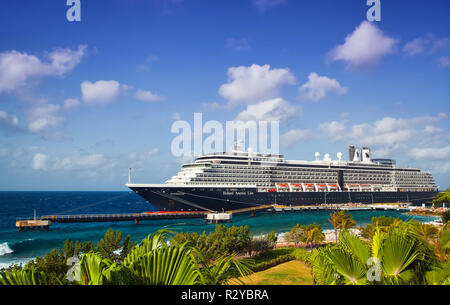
<point x="242" y="179"/>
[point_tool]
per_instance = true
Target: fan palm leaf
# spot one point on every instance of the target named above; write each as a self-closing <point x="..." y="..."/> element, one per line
<point x="345" y="264"/>
<point x="323" y="270"/>
<point x="444" y="241"/>
<point x="399" y="252"/>
<point x="167" y="265"/>
<point x="223" y="268"/>
<point x="23" y="277"/>
<point x="355" y="246"/>
<point x="151" y="243"/>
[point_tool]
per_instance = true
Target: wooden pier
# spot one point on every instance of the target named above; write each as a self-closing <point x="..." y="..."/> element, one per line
<point x="32" y="224"/>
<point x="43" y="222"/>
<point x="46" y="220"/>
<point x="136" y="217"/>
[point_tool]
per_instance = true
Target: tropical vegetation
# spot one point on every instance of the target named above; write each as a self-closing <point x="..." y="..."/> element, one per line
<point x="341" y="220"/>
<point x="153" y="262"/>
<point x="393" y="253"/>
<point x="387" y="251"/>
<point x="310" y="235"/>
<point x="442" y="197"/>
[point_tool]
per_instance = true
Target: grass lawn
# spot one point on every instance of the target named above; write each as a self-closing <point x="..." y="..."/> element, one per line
<point x="293" y="272"/>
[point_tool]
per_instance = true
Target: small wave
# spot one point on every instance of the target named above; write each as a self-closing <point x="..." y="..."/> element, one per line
<point x="5" y="249"/>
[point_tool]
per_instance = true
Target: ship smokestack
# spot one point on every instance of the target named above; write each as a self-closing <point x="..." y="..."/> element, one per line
<point x="351" y="153"/>
<point x="357" y="155"/>
<point x="366" y="155"/>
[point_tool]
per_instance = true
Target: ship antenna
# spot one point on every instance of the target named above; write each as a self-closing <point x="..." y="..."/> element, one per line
<point x="129" y="175"/>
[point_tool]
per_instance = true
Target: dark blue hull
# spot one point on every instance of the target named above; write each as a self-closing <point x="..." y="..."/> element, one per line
<point x="218" y="199"/>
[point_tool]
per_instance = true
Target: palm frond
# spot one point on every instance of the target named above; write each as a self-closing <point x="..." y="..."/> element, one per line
<point x="23" y="277"/>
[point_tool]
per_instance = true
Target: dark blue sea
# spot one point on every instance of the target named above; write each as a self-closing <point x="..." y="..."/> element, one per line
<point x="19" y="247"/>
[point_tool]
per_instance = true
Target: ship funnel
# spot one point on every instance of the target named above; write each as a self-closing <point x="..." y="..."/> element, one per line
<point x="366" y="155"/>
<point x="357" y="155"/>
<point x="351" y="153"/>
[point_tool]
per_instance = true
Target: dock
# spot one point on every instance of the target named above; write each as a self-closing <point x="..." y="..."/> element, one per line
<point x="343" y="207"/>
<point x="32" y="224"/>
<point x="44" y="222"/>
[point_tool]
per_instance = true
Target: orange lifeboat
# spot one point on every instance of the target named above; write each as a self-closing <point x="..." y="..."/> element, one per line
<point x="272" y="190"/>
<point x="282" y="185"/>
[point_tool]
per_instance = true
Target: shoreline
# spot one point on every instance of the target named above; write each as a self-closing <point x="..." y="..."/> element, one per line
<point x="9" y="256"/>
<point x="427" y="211"/>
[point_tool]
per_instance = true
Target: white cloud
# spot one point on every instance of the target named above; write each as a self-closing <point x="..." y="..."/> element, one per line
<point x="334" y="130"/>
<point x="147" y="96"/>
<point x="9" y="121"/>
<point x="176" y="116"/>
<point x="264" y="5"/>
<point x="237" y="44"/>
<point x="81" y="162"/>
<point x="416" y="46"/>
<point x="427" y="43"/>
<point x="3" y="152"/>
<point x="248" y="85"/>
<point x="271" y="110"/>
<point x="43" y="117"/>
<point x="71" y="103"/>
<point x="17" y="68"/>
<point x="39" y="161"/>
<point x="430" y="153"/>
<point x="100" y="92"/>
<point x="317" y="87"/>
<point x="150" y="59"/>
<point x="57" y="137"/>
<point x="210" y="106"/>
<point x="364" y="47"/>
<point x="440" y="44"/>
<point x="444" y="61"/>
<point x="153" y="151"/>
<point x="386" y="132"/>
<point x="294" y="136"/>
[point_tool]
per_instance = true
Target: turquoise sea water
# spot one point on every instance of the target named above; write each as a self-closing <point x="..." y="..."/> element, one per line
<point x="19" y="247"/>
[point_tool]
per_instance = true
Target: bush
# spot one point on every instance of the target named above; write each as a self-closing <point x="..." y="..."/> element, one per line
<point x="445" y="217"/>
<point x="221" y="242"/>
<point x="278" y="256"/>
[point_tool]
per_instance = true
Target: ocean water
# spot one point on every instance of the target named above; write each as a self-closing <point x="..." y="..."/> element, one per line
<point x="19" y="247"/>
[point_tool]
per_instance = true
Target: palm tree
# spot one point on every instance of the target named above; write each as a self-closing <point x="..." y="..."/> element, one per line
<point x="341" y="220"/>
<point x="313" y="236"/>
<point x="399" y="256"/>
<point x="428" y="231"/>
<point x="23" y="277"/>
<point x="443" y="246"/>
<point x="154" y="262"/>
<point x="223" y="268"/>
<point x="442" y="197"/>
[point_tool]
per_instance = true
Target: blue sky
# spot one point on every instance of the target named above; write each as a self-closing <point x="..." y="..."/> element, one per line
<point x="80" y="102"/>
